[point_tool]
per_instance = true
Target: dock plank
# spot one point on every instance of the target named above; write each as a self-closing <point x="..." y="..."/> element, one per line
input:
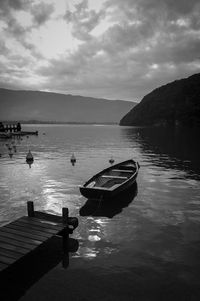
<point x="37" y="226"/>
<point x="29" y="229"/>
<point x="23" y="234"/>
<point x="17" y="243"/>
<point x="19" y="250"/>
<point x="3" y="266"/>
<point x="42" y="223"/>
<point x="9" y="253"/>
<point x="6" y="260"/>
<point x="20" y="238"/>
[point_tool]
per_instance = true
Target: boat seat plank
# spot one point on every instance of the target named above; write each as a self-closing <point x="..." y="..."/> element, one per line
<point x="99" y="188"/>
<point x="126" y="167"/>
<point x="113" y="177"/>
<point x="123" y="170"/>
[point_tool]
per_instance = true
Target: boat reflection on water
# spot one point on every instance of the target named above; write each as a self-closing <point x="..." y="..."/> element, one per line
<point x="110" y="207"/>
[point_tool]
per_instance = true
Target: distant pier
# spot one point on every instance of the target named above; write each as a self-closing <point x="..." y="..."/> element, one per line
<point x="11" y="129"/>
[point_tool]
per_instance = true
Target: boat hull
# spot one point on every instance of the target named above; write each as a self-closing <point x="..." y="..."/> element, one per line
<point x="103" y="193"/>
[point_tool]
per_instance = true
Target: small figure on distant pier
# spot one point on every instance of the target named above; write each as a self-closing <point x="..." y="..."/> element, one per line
<point x="19" y="127"/>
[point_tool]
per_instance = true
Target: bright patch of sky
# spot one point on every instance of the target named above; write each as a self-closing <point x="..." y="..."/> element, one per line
<point x="50" y="40"/>
<point x="24" y="18"/>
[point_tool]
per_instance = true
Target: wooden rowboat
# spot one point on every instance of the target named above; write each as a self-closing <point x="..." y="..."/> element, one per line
<point x="111" y="181"/>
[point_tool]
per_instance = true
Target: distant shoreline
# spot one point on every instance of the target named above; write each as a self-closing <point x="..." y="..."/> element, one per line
<point x="59" y="122"/>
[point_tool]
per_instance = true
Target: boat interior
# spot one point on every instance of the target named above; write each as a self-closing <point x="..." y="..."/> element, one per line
<point x="113" y="177"/>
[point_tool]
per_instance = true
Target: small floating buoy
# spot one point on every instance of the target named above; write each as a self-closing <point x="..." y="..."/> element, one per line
<point x="10" y="154"/>
<point x="73" y="159"/>
<point x="111" y="161"/>
<point x="29" y="158"/>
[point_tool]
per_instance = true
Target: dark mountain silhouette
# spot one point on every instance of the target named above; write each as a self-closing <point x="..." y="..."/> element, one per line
<point x="45" y="106"/>
<point x="177" y="103"/>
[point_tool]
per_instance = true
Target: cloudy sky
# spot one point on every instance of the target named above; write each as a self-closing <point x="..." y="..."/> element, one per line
<point x="115" y="49"/>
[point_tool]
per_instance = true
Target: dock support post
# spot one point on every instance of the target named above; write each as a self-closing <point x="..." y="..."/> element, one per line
<point x="65" y="236"/>
<point x="65" y="214"/>
<point x="30" y="208"/>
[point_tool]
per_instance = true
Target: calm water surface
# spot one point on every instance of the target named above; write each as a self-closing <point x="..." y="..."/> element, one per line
<point x="144" y="248"/>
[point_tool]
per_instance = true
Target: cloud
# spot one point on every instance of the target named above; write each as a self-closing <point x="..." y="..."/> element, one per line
<point x="83" y="20"/>
<point x="6" y="5"/>
<point x="41" y="13"/>
<point x="123" y="49"/>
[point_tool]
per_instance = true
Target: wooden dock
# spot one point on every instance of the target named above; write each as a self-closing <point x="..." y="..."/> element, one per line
<point x="24" y="235"/>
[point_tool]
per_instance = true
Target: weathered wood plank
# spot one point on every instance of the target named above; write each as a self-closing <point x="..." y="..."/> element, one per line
<point x="28" y="230"/>
<point x="46" y="232"/>
<point x="20" y="250"/>
<point x="34" y="227"/>
<point x="48" y="217"/>
<point x="23" y="234"/>
<point x="19" y="238"/>
<point x="3" y="266"/>
<point x="38" y="226"/>
<point x="9" y="253"/>
<point x="42" y="223"/>
<point x="7" y="260"/>
<point x="16" y="243"/>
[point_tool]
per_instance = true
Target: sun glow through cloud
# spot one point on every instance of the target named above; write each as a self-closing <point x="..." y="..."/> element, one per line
<point x="50" y="39"/>
<point x="102" y="48"/>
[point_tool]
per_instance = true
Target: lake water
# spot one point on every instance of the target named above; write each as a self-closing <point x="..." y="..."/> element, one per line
<point x="144" y="248"/>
